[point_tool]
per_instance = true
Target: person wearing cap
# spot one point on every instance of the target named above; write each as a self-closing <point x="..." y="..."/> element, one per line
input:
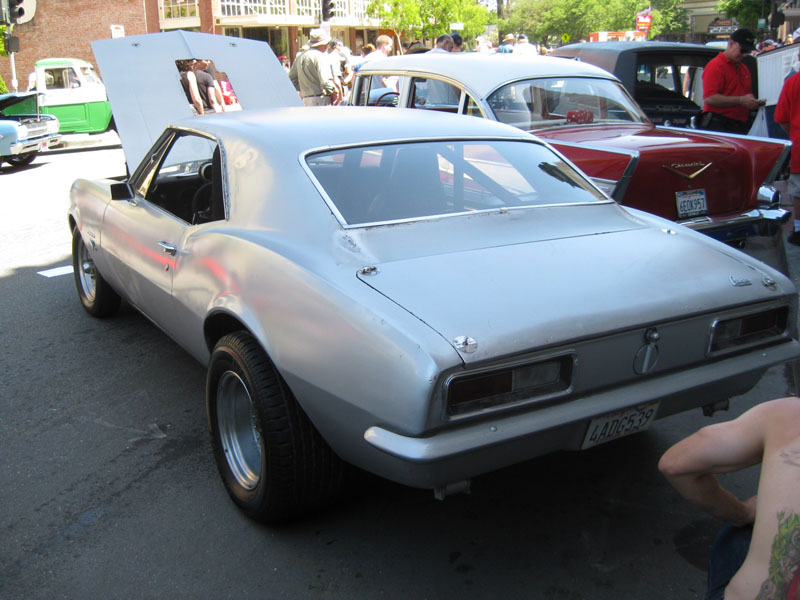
<point x="524" y="46"/>
<point x="727" y="87"/>
<point x="507" y="46"/>
<point x="311" y="72"/>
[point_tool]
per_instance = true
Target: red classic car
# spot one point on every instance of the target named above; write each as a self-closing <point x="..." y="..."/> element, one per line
<point x="717" y="183"/>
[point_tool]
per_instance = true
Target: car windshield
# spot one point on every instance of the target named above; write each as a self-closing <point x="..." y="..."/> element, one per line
<point x="553" y="101"/>
<point x="390" y="182"/>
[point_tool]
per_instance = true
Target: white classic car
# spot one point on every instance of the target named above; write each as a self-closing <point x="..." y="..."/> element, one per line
<point x="428" y="297"/>
<point x="24" y="130"/>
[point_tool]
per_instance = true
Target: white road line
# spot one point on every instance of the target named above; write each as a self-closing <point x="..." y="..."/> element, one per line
<point x="56" y="272"/>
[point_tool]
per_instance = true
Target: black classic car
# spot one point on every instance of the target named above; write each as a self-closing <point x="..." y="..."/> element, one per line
<point x="665" y="78"/>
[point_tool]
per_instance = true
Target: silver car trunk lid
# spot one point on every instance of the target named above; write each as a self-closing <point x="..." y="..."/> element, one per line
<point x="144" y="87"/>
<point x="512" y="298"/>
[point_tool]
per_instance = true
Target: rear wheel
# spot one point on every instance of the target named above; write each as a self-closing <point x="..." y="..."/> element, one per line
<point x="273" y="461"/>
<point x="20" y="160"/>
<point x="97" y="297"/>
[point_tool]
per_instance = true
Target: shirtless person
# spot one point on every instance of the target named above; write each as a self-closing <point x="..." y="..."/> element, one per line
<point x="769" y="434"/>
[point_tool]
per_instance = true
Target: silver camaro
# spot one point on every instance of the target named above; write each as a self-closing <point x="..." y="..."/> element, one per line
<point x="428" y="297"/>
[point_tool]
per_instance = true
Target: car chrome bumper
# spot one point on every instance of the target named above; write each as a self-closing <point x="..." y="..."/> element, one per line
<point x="34" y="145"/>
<point x="463" y="452"/>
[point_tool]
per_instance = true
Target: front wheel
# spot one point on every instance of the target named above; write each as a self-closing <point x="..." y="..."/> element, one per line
<point x="273" y="461"/>
<point x="97" y="297"/>
<point x="21" y="160"/>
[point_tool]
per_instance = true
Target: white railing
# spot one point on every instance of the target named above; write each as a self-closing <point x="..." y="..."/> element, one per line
<point x="359" y="10"/>
<point x="242" y="8"/>
<point x="310" y="8"/>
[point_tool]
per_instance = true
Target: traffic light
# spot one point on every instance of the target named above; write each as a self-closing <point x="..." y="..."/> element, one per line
<point x="15" y="11"/>
<point x="328" y="6"/>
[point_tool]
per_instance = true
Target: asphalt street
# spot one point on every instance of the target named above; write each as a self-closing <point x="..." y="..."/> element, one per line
<point x="108" y="487"/>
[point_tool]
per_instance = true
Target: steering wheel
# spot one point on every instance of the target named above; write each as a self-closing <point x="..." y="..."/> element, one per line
<point x="201" y="199"/>
<point x="382" y="96"/>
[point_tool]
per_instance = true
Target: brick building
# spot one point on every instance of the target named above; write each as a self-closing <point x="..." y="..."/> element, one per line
<point x="65" y="28"/>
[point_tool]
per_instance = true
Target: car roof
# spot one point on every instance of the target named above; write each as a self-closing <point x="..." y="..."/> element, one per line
<point x="302" y="129"/>
<point x="617" y="47"/>
<point x="59" y="62"/>
<point x="483" y="73"/>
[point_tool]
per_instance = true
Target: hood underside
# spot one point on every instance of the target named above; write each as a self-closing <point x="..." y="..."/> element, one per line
<point x="144" y="88"/>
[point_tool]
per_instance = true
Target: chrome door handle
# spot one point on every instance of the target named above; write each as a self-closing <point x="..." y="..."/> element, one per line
<point x="168" y="248"/>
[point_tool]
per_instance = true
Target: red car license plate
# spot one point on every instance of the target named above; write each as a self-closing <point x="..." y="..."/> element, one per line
<point x="691" y="203"/>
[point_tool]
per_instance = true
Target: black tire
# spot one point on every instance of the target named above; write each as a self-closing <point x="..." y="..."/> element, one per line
<point x="21" y="160"/>
<point x="97" y="297"/>
<point x="273" y="461"/>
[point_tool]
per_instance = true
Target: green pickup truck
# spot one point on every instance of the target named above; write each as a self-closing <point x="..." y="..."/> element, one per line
<point x="70" y="89"/>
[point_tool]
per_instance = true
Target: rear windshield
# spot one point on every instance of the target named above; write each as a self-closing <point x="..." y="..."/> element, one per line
<point x="373" y="184"/>
<point x="547" y="102"/>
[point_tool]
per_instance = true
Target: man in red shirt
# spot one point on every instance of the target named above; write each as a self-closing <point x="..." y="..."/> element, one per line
<point x="727" y="88"/>
<point x="787" y="115"/>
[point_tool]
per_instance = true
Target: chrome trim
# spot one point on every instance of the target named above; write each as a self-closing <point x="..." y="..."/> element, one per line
<point x="769" y="196"/>
<point x="768" y="216"/>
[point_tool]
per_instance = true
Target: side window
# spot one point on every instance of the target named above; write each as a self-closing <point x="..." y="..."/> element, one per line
<point x="188" y="181"/>
<point x="432" y="94"/>
<point x="54" y="79"/>
<point x="471" y="107"/>
<point x="378" y="90"/>
<point x="665" y="77"/>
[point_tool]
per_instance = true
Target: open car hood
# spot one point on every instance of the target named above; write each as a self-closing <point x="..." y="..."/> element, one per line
<point x="144" y="88"/>
<point x="11" y="99"/>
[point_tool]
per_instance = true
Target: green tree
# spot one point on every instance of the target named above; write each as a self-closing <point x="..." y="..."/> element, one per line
<point x="430" y="18"/>
<point x="669" y="18"/>
<point x="746" y="12"/>
<point x="546" y="21"/>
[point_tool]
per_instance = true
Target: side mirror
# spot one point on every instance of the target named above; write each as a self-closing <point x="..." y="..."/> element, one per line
<point x="122" y="191"/>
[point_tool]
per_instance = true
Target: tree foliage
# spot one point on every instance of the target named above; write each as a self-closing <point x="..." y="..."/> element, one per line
<point x="746" y="12"/>
<point x="430" y="18"/>
<point x="547" y="21"/>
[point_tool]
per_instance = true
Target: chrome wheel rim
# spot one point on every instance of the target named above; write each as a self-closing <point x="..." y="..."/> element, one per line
<point x="238" y="432"/>
<point x="87" y="274"/>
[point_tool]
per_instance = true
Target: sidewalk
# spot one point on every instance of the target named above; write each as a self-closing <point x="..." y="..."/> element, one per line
<point x="71" y="142"/>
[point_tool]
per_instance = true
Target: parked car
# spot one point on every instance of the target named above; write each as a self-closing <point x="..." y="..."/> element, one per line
<point x="665" y="78"/>
<point x="406" y="292"/>
<point x="70" y="89"/>
<point x="716" y="183"/>
<point x="24" y="131"/>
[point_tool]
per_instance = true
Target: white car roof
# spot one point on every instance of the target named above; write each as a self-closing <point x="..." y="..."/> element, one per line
<point x="483" y="73"/>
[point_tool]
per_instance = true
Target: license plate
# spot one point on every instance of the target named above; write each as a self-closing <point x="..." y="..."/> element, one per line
<point x="691" y="203"/>
<point x="618" y="424"/>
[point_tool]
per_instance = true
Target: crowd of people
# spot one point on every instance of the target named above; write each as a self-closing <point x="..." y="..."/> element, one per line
<point x="323" y="69"/>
